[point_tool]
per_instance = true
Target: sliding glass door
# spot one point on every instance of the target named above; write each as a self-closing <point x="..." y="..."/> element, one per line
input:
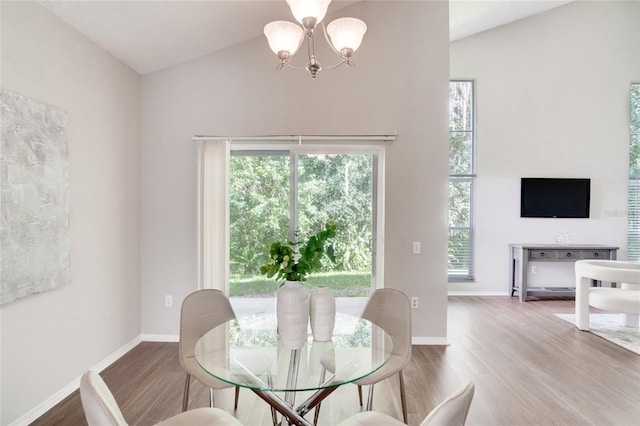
<point x="275" y="193"/>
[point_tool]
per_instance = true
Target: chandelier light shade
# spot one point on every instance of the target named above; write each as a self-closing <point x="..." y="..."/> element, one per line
<point x="302" y="9"/>
<point x="284" y="38"/>
<point x="344" y="35"/>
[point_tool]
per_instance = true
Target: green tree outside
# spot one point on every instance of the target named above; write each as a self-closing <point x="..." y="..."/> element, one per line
<point x="330" y="188"/>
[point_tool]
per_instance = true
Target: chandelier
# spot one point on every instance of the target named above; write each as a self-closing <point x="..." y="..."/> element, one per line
<point x="343" y="35"/>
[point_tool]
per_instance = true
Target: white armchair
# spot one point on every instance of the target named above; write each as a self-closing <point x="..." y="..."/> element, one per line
<point x="625" y="299"/>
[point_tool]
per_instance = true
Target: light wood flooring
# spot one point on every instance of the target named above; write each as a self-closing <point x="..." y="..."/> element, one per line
<point x="529" y="368"/>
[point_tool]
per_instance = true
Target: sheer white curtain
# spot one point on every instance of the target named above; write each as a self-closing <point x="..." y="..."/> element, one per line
<point x="213" y="214"/>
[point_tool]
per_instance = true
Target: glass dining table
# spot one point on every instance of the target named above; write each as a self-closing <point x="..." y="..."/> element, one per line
<point x="246" y="352"/>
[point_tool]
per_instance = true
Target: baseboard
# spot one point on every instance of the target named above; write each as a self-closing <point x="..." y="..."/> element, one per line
<point x="430" y="341"/>
<point x="33" y="414"/>
<point x="160" y="338"/>
<point x="476" y="293"/>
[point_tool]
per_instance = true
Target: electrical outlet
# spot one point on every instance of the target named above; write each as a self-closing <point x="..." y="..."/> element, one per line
<point x="414" y="303"/>
<point x="534" y="269"/>
<point x="416" y="247"/>
<point x="168" y="301"/>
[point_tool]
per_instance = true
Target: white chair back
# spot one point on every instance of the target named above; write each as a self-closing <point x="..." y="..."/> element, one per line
<point x="390" y="309"/>
<point x="201" y="311"/>
<point x="453" y="410"/>
<point x="100" y="407"/>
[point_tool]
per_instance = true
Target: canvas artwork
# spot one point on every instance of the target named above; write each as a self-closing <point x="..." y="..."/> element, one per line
<point x="34" y="198"/>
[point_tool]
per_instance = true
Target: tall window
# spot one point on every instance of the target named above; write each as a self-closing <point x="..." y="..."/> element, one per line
<point x="461" y="179"/>
<point x="633" y="228"/>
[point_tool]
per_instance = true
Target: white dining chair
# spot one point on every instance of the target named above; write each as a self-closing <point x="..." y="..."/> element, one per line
<point x="101" y="409"/>
<point x="452" y="411"/>
<point x="390" y="309"/>
<point x="201" y="311"/>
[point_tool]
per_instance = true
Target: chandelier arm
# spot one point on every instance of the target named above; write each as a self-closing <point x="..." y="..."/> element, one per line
<point x="288" y="65"/>
<point x="344" y="61"/>
<point x="330" y="43"/>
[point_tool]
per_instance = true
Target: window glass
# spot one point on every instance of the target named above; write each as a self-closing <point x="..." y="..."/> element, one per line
<point x="326" y="187"/>
<point x="633" y="209"/>
<point x="461" y="180"/>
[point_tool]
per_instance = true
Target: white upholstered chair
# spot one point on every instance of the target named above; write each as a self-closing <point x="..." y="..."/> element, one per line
<point x="452" y="411"/>
<point x="625" y="299"/>
<point x="202" y="310"/>
<point x="101" y="408"/>
<point x="390" y="309"/>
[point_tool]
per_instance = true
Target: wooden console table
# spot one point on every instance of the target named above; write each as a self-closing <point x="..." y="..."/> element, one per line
<point x="522" y="254"/>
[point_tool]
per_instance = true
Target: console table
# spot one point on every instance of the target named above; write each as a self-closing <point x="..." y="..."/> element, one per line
<point x="522" y="254"/>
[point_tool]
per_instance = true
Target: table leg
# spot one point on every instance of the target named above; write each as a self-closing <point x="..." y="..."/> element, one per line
<point x="315" y="400"/>
<point x="292" y="377"/>
<point x="523" y="271"/>
<point x="296" y="416"/>
<point x="283" y="408"/>
<point x="512" y="272"/>
<point x="317" y="413"/>
<point x="274" y="414"/>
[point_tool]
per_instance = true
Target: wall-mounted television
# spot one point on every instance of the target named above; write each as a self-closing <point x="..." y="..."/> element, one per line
<point x="555" y="197"/>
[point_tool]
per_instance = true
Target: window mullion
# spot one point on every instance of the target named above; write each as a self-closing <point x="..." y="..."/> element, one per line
<point x="293" y="195"/>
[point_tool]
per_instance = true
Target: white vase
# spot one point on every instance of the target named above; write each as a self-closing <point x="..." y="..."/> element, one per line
<point x="323" y="313"/>
<point x="292" y="309"/>
<point x="322" y="357"/>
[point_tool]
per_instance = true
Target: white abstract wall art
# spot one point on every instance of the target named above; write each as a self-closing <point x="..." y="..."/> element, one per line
<point x="34" y="198"/>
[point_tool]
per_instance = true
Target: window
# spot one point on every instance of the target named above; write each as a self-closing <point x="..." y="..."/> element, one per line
<point x="274" y="193"/>
<point x="633" y="215"/>
<point x="461" y="179"/>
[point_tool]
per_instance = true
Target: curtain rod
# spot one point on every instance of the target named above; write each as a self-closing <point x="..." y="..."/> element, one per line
<point x="298" y="138"/>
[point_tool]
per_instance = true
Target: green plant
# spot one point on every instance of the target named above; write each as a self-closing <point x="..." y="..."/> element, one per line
<point x="294" y="265"/>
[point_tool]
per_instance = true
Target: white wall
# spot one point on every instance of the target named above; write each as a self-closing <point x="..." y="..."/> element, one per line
<point x="552" y="101"/>
<point x="49" y="339"/>
<point x="400" y="82"/>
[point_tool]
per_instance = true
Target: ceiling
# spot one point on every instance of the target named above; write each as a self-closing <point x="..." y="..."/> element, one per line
<point x="468" y="17"/>
<point x="152" y="35"/>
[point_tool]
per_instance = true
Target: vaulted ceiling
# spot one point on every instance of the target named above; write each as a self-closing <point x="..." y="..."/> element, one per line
<point x="152" y="35"/>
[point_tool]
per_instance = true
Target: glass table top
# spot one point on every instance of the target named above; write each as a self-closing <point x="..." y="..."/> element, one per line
<point x="246" y="352"/>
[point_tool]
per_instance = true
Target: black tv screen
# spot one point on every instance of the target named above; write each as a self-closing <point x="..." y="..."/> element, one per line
<point x="554" y="197"/>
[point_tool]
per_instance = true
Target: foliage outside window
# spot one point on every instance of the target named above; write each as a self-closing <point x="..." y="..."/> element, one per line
<point x="633" y="228"/>
<point x="327" y="187"/>
<point x="461" y="180"/>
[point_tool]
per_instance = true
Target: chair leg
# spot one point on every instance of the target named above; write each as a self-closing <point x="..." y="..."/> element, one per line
<point x="185" y="398"/>
<point x="403" y="397"/>
<point x="360" y="394"/>
<point x="316" y="414"/>
<point x="211" y="397"/>
<point x="370" y="398"/>
<point x="235" y="404"/>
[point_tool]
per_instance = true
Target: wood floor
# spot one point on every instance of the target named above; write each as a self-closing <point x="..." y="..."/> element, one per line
<point x="529" y="368"/>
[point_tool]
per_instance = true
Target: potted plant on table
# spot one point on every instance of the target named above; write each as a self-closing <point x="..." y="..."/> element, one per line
<point x="293" y="261"/>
